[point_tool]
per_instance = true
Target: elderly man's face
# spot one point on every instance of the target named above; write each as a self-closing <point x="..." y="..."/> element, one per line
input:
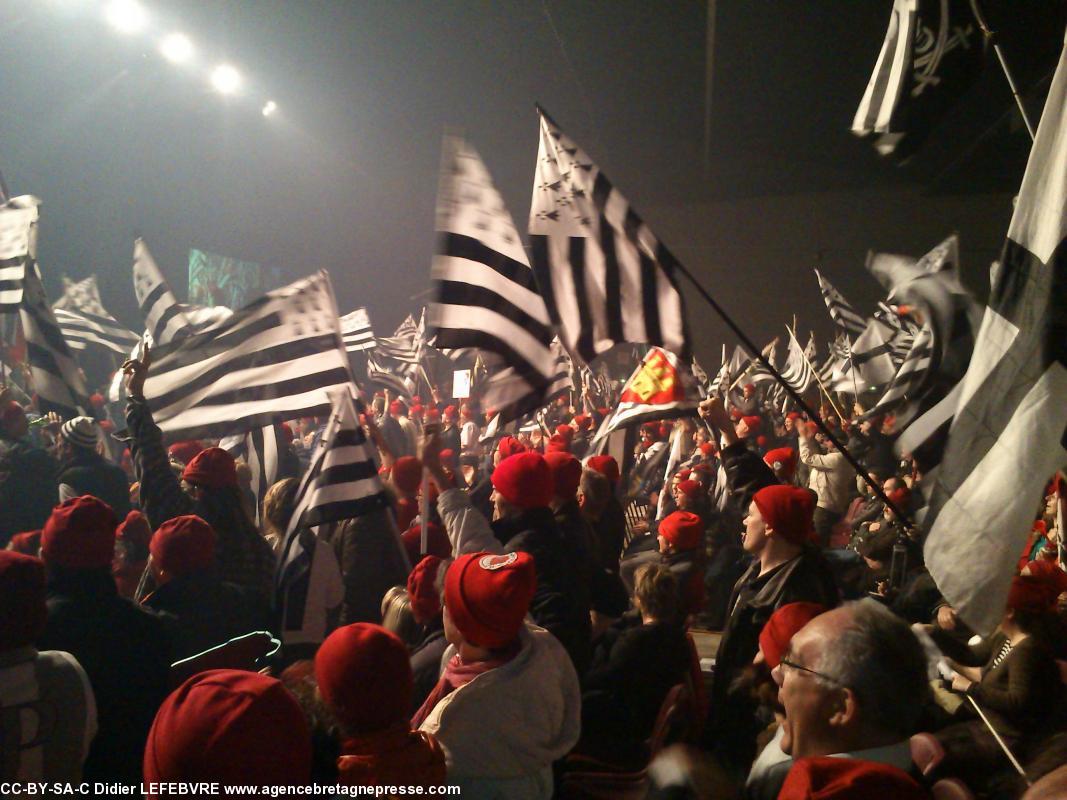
<point x="811" y="706"/>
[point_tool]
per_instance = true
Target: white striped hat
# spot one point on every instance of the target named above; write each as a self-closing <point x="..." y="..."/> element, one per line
<point x="80" y="432"/>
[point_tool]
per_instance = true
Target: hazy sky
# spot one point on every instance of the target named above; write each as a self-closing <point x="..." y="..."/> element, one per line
<point x="119" y="143"/>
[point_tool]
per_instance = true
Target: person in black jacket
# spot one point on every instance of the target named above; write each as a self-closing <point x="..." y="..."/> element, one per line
<point x="207" y="611"/>
<point x="28" y="489"/>
<point x="84" y="471"/>
<point x="125" y="650"/>
<point x="633" y="668"/>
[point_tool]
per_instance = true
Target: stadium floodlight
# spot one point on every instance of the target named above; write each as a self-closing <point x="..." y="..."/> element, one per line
<point x="269" y="108"/>
<point x="177" y="48"/>
<point x="225" y="79"/>
<point x="126" y="16"/>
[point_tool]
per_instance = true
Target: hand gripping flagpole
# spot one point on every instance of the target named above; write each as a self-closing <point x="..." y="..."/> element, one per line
<point x="800" y="401"/>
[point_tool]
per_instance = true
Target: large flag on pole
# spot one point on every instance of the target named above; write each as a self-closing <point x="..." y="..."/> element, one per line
<point x="356" y="331"/>
<point x="1009" y="434"/>
<point x="604" y="275"/>
<point x="840" y="310"/>
<point x="486" y="296"/>
<point x="18" y="217"/>
<point x="273" y="360"/>
<point x="660" y="388"/>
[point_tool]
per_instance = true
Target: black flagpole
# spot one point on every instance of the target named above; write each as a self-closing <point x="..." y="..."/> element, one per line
<point x="816" y="418"/>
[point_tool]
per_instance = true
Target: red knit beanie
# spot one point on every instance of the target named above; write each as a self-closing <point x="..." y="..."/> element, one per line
<point x="364" y="675"/>
<point x="708" y="449"/>
<point x="487" y="596"/>
<point x="510" y="446"/>
<point x="682" y="530"/>
<point x="782" y="458"/>
<point x="182" y="545"/>
<point x="1032" y="594"/>
<point x="23" y="612"/>
<point x="830" y="778"/>
<point x="566" y="431"/>
<point x="449" y="413"/>
<point x="184" y="451"/>
<point x="753" y="422"/>
<point x="396" y="408"/>
<point x="1048" y="571"/>
<point x="524" y="480"/>
<point x="423" y="589"/>
<point x="583" y="421"/>
<point x="448" y="458"/>
<point x="606" y="466"/>
<point x="213" y="468"/>
<point x="782" y="626"/>
<point x="437" y="543"/>
<point x="80" y="534"/>
<point x="134" y="528"/>
<point x="214" y="728"/>
<point x="432" y="414"/>
<point x="558" y="443"/>
<point x="788" y="510"/>
<point x="566" y="473"/>
<point x="690" y="488"/>
<point x="407" y="474"/>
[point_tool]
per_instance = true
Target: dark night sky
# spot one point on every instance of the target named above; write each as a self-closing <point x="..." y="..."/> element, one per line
<point x="117" y="142"/>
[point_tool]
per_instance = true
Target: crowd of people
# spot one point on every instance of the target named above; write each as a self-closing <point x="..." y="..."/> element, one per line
<point x="526" y="623"/>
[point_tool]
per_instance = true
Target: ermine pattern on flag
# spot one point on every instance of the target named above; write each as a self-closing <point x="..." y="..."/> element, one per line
<point x="18" y="217"/>
<point x="486" y="295"/>
<point x="82" y="329"/>
<point x="1009" y="430"/>
<point x="910" y="376"/>
<point x="273" y="360"/>
<point x="83" y="296"/>
<point x="604" y="275"/>
<point x="356" y="331"/>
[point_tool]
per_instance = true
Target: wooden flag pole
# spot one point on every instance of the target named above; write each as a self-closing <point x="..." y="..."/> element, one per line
<point x="800" y="401"/>
<point x="990" y="37"/>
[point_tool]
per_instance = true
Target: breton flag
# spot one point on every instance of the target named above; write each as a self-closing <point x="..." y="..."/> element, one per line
<point x="1009" y="434"/>
<point x="487" y="297"/>
<point x="757" y="373"/>
<point x="901" y="396"/>
<point x="660" y="388"/>
<point x="260" y="449"/>
<point x="57" y="380"/>
<point x="868" y="366"/>
<point x="341" y="483"/>
<point x="604" y="275"/>
<point x="18" y="225"/>
<point x="273" y="360"/>
<point x="797" y="371"/>
<point x="356" y="332"/>
<point x="81" y="329"/>
<point x="396" y="377"/>
<point x="932" y="53"/>
<point x="731" y="370"/>
<point x="83" y="295"/>
<point x="840" y="311"/>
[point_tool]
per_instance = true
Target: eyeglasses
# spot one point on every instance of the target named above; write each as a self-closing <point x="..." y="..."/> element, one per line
<point x="786" y="662"/>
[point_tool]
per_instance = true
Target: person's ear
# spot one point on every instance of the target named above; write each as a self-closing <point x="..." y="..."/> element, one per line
<point x="843" y="708"/>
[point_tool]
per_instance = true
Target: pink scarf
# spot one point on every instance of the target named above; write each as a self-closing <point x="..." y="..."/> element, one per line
<point x="458" y="673"/>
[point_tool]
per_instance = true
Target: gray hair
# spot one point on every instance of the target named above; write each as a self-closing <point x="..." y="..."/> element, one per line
<point x="879" y="658"/>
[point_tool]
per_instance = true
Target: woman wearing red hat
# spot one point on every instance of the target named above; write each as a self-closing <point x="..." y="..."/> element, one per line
<point x="208" y="489"/>
<point x="507" y="703"/>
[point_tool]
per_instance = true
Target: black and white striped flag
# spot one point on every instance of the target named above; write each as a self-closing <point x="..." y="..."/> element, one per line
<point x="83" y="295"/>
<point x="164" y="317"/>
<point x="840" y="311"/>
<point x="604" y="275"/>
<point x="356" y="331"/>
<point x="273" y="360"/>
<point x="385" y="373"/>
<point x="904" y="390"/>
<point x="1009" y="432"/>
<point x="57" y="380"/>
<point x="797" y="370"/>
<point x="18" y="223"/>
<point x="868" y="367"/>
<point x="82" y="329"/>
<point x="260" y="450"/>
<point x="341" y="483"/>
<point x="487" y="297"/>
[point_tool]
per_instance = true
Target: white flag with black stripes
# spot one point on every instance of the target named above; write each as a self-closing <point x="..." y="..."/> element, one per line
<point x="18" y="221"/>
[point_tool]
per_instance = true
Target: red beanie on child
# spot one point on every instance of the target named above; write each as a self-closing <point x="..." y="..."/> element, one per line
<point x="487" y="596"/>
<point x="213" y="728"/>
<point x="524" y="480"/>
<point x="364" y="675"/>
<point x="80" y="534"/>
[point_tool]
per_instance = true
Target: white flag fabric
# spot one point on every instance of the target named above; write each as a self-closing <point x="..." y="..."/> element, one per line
<point x="273" y="360"/>
<point x="1009" y="431"/>
<point x="83" y="295"/>
<point x="82" y="329"/>
<point x="18" y="218"/>
<point x="356" y="331"/>
<point x="841" y="311"/>
<point x="486" y="295"/>
<point x="604" y="275"/>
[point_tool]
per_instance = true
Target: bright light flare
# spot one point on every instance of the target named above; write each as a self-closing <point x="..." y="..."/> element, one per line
<point x="177" y="48"/>
<point x="225" y="79"/>
<point x="126" y="16"/>
<point x="269" y="108"/>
